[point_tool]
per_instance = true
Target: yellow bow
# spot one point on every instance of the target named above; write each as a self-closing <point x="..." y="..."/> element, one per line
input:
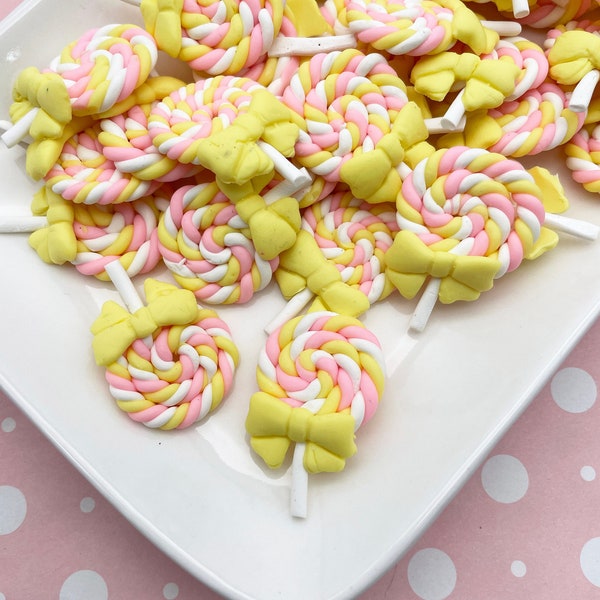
<point x="273" y="227"/>
<point x="48" y="93"/>
<point x="273" y="425"/>
<point x="116" y="328"/>
<point x="304" y="266"/>
<point x="573" y="55"/>
<point x="487" y="81"/>
<point x="232" y="153"/>
<point x="56" y="243"/>
<point x="409" y="262"/>
<point x="372" y="176"/>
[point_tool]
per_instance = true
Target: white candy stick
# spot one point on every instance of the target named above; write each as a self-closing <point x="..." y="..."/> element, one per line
<point x="582" y="229"/>
<point x="282" y="165"/>
<point x="121" y="280"/>
<point x="294" y="305"/>
<point x="21" y="223"/>
<point x="425" y="306"/>
<point x="132" y="2"/>
<point x="299" y="489"/>
<point x="309" y="46"/>
<point x="520" y="8"/>
<point x="438" y="125"/>
<point x="582" y="94"/>
<point x="454" y="113"/>
<point x="503" y="28"/>
<point x="287" y="188"/>
<point x="14" y="134"/>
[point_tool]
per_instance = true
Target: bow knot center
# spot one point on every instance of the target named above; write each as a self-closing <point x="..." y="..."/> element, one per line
<point x="142" y="322"/>
<point x="298" y="424"/>
<point x="442" y="265"/>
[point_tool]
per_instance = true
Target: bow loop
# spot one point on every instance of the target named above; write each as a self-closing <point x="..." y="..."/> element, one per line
<point x="273" y="425"/>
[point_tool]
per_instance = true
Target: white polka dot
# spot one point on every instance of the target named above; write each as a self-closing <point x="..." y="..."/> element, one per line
<point x="87" y="504"/>
<point x="573" y="389"/>
<point x="504" y="478"/>
<point x="84" y="585"/>
<point x="431" y="574"/>
<point x="2" y="596"/>
<point x="588" y="473"/>
<point x="8" y="424"/>
<point x="589" y="560"/>
<point x="518" y="568"/>
<point x="171" y="591"/>
<point x="13" y="508"/>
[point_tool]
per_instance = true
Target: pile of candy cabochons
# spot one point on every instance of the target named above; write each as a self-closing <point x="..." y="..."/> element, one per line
<point x="347" y="149"/>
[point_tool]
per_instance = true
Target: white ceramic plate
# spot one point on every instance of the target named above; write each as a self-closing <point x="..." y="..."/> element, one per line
<point x="199" y="494"/>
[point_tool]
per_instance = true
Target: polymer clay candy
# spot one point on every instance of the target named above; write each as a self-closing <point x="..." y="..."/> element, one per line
<point x="125" y="232"/>
<point x="356" y="122"/>
<point x="169" y="363"/>
<point x="320" y="377"/>
<point x="230" y="125"/>
<point x="468" y="216"/>
<point x="92" y="74"/>
<point x="214" y="36"/>
<point x="415" y="27"/>
<point x="538" y="121"/>
<point x="208" y="249"/>
<point x="43" y="153"/>
<point x="84" y="175"/>
<point x="89" y="237"/>
<point x="354" y="236"/>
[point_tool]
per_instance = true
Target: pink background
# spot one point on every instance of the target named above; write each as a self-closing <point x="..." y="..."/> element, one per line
<point x="524" y="527"/>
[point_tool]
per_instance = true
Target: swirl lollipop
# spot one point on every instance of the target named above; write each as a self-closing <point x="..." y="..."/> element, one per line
<point x="230" y="125"/>
<point x="320" y="377"/>
<point x="207" y="247"/>
<point x="347" y="105"/>
<point x="214" y="36"/>
<point x="417" y="27"/>
<point x="91" y="75"/>
<point x="99" y="234"/>
<point x="354" y="236"/>
<point x="467" y="217"/>
<point x="539" y="121"/>
<point x="169" y="363"/>
<point x="85" y="176"/>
